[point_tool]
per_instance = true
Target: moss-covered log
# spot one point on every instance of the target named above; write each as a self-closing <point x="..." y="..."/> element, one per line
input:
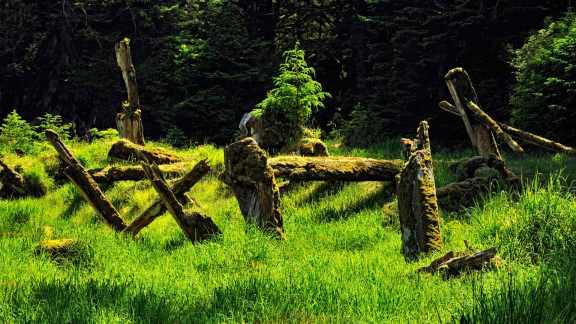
<point x="127" y="151"/>
<point x="453" y="264"/>
<point x="129" y="122"/>
<point x="196" y="226"/>
<point x="335" y="168"/>
<point x="462" y="91"/>
<point x="254" y="185"/>
<point x="179" y="188"/>
<point x="538" y="140"/>
<point x="84" y="182"/>
<point x="14" y="185"/>
<point x="417" y="204"/>
<point x="113" y="174"/>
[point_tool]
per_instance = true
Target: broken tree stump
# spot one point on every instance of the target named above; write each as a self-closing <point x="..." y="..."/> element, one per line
<point x="196" y="226"/>
<point x="455" y="263"/>
<point x="84" y="182"/>
<point x="129" y="122"/>
<point x="254" y="185"/>
<point x="462" y="91"/>
<point x="312" y="147"/>
<point x="127" y="151"/>
<point x="179" y="188"/>
<point x="113" y="174"/>
<point x="417" y="204"/>
<point x="335" y="168"/>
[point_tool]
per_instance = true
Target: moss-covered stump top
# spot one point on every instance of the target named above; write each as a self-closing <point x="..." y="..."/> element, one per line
<point x="312" y="147"/>
<point x="63" y="250"/>
<point x="245" y="162"/>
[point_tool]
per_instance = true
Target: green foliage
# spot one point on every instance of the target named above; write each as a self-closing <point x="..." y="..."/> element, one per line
<point x="17" y="134"/>
<point x="55" y="123"/>
<point x="105" y="134"/>
<point x="296" y="94"/>
<point x="176" y="137"/>
<point x="544" y="97"/>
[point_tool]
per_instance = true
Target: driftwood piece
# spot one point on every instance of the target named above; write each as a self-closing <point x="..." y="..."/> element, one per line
<point x="129" y="122"/>
<point x="538" y="140"/>
<point x="462" y="91"/>
<point x="417" y="204"/>
<point x="335" y="168"/>
<point x="196" y="226"/>
<point x="453" y="264"/>
<point x="113" y="174"/>
<point x="179" y="188"/>
<point x="84" y="182"/>
<point x="254" y="185"/>
<point x="127" y="151"/>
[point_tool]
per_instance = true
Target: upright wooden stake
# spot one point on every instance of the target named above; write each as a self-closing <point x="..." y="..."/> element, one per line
<point x="84" y="182"/>
<point x="129" y="122"/>
<point x="462" y="91"/>
<point x="417" y="204"/>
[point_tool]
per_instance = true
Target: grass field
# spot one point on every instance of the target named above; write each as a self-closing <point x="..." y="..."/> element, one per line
<point x="341" y="261"/>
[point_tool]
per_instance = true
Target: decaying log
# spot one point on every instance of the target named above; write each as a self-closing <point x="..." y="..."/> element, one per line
<point x="312" y="147"/>
<point x="129" y="122"/>
<point x="84" y="182"/>
<point x="477" y="177"/>
<point x="335" y="168"/>
<point x="417" y="205"/>
<point x="127" y="151"/>
<point x="196" y="226"/>
<point x="254" y="185"/>
<point x="113" y="174"/>
<point x="462" y="92"/>
<point x="538" y="140"/>
<point x="179" y="188"/>
<point x="12" y="184"/>
<point x="453" y="264"/>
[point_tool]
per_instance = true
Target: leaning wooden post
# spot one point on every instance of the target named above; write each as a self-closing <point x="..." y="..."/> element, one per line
<point x="84" y="182"/>
<point x="196" y="226"/>
<point x="129" y="122"/>
<point x="254" y="185"/>
<point x="417" y="204"/>
<point x="462" y="91"/>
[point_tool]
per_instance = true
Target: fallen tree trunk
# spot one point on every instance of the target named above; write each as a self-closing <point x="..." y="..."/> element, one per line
<point x="196" y="226"/>
<point x="335" y="168"/>
<point x="84" y="182"/>
<point x="254" y="185"/>
<point x="538" y="140"/>
<point x="453" y="264"/>
<point x="462" y="91"/>
<point x="128" y="151"/>
<point x="417" y="204"/>
<point x="179" y="188"/>
<point x="113" y="174"/>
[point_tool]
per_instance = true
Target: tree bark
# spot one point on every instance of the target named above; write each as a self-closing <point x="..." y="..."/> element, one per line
<point x="84" y="182"/>
<point x="462" y="91"/>
<point x="127" y="151"/>
<point x="129" y="122"/>
<point x="254" y="185"/>
<point x="179" y="188"/>
<point x="417" y="204"/>
<point x="196" y="226"/>
<point x="335" y="168"/>
<point x="113" y="174"/>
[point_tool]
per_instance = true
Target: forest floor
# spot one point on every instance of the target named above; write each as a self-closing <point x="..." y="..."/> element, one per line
<point x="341" y="261"/>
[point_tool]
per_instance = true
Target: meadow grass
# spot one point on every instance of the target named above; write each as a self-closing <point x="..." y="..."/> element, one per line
<point x="341" y="261"/>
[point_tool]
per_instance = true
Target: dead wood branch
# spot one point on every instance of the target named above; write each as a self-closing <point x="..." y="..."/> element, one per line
<point x="127" y="151"/>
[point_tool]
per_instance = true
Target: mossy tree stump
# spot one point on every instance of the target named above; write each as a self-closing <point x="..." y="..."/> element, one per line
<point x="129" y="121"/>
<point x="254" y="185"/>
<point x="417" y="203"/>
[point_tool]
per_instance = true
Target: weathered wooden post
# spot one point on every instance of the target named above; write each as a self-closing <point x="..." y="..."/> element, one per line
<point x="417" y="204"/>
<point x="462" y="91"/>
<point x="254" y="185"/>
<point x="129" y="122"/>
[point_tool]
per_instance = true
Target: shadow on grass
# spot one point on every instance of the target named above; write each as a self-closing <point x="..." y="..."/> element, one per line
<point x="323" y="190"/>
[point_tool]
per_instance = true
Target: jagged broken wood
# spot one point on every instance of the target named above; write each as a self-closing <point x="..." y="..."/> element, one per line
<point x="350" y="169"/>
<point x="179" y="188"/>
<point x="462" y="91"/>
<point x="127" y="151"/>
<point x="417" y="204"/>
<point x="84" y="182"/>
<point x="129" y="122"/>
<point x="453" y="263"/>
<point x="113" y="174"/>
<point x="254" y="185"/>
<point x="196" y="226"/>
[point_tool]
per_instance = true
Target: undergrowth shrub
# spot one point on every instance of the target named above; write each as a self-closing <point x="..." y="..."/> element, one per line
<point x="16" y="134"/>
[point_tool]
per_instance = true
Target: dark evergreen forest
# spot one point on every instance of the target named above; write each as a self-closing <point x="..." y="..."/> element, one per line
<point x="202" y="64"/>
